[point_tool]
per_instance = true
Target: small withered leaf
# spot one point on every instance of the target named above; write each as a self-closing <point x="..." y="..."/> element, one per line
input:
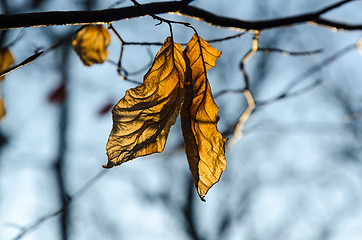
<point x="90" y="43"/>
<point x="2" y="108"/>
<point x="204" y="144"/>
<point x="143" y="117"/>
<point x="359" y="45"/>
<point x="6" y="60"/>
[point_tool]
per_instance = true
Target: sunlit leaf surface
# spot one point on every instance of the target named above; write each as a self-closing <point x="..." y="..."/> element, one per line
<point x="143" y="117"/>
<point x="204" y="145"/>
<point x="90" y="43"/>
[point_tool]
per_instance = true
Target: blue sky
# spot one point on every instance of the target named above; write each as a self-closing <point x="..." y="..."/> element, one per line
<point x="296" y="173"/>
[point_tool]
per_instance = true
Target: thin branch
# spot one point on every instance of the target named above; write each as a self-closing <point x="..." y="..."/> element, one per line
<point x="225" y="38"/>
<point x="336" y="25"/>
<point x="274" y="99"/>
<point x="315" y="84"/>
<point x="22" y="64"/>
<point x="248" y="55"/>
<point x="163" y="19"/>
<point x="142" y="69"/>
<point x="184" y="44"/>
<point x="116" y="4"/>
<point x="25" y="230"/>
<point x="267" y="24"/>
<point x="237" y="134"/>
<point x="20" y="36"/>
<point x="41" y="19"/>
<point x="318" y="67"/>
<point x="289" y="53"/>
<point x="228" y="91"/>
<point x="32" y="226"/>
<point x="333" y="6"/>
<point x="119" y="64"/>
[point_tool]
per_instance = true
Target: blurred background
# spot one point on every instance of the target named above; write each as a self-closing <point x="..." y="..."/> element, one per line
<point x="296" y="173"/>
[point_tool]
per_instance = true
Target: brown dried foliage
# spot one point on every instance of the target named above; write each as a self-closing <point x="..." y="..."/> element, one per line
<point x="143" y="117"/>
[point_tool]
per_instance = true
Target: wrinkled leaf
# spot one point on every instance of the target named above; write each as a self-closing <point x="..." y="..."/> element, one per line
<point x="204" y="144"/>
<point x="90" y="43"/>
<point x="6" y="60"/>
<point x="143" y="117"/>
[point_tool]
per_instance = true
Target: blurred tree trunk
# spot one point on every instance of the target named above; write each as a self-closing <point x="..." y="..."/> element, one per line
<point x="60" y="164"/>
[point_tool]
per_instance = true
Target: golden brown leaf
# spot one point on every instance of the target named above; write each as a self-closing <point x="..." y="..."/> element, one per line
<point x="2" y="108"/>
<point x="143" y="117"/>
<point x="204" y="144"/>
<point x="359" y="45"/>
<point x="6" y="60"/>
<point x="90" y="43"/>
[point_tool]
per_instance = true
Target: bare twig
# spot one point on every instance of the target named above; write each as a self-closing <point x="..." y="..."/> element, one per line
<point x="119" y="65"/>
<point x="116" y="4"/>
<point x="302" y="77"/>
<point x="315" y="84"/>
<point x="242" y="119"/>
<point x="314" y="17"/>
<point x="20" y="36"/>
<point x="22" y="64"/>
<point x="269" y="50"/>
<point x="161" y="19"/>
<point x="25" y="230"/>
<point x="228" y="91"/>
<point x="332" y="7"/>
<point x="237" y="134"/>
<point x="225" y="38"/>
<point x="121" y="71"/>
<point x="289" y="53"/>
<point x="248" y="55"/>
<point x="184" y="44"/>
<point x="32" y="226"/>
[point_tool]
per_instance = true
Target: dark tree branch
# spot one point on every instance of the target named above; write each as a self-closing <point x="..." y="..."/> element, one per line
<point x="337" y="25"/>
<point x="60" y="164"/>
<point x="314" y="17"/>
<point x="41" y="19"/>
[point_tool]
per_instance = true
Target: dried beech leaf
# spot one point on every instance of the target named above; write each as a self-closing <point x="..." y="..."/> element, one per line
<point x="90" y="43"/>
<point x="359" y="45"/>
<point x="2" y="108"/>
<point x="6" y="60"/>
<point x="204" y="144"/>
<point x="143" y="117"/>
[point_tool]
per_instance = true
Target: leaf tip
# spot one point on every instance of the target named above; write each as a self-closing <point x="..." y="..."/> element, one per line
<point x="109" y="165"/>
